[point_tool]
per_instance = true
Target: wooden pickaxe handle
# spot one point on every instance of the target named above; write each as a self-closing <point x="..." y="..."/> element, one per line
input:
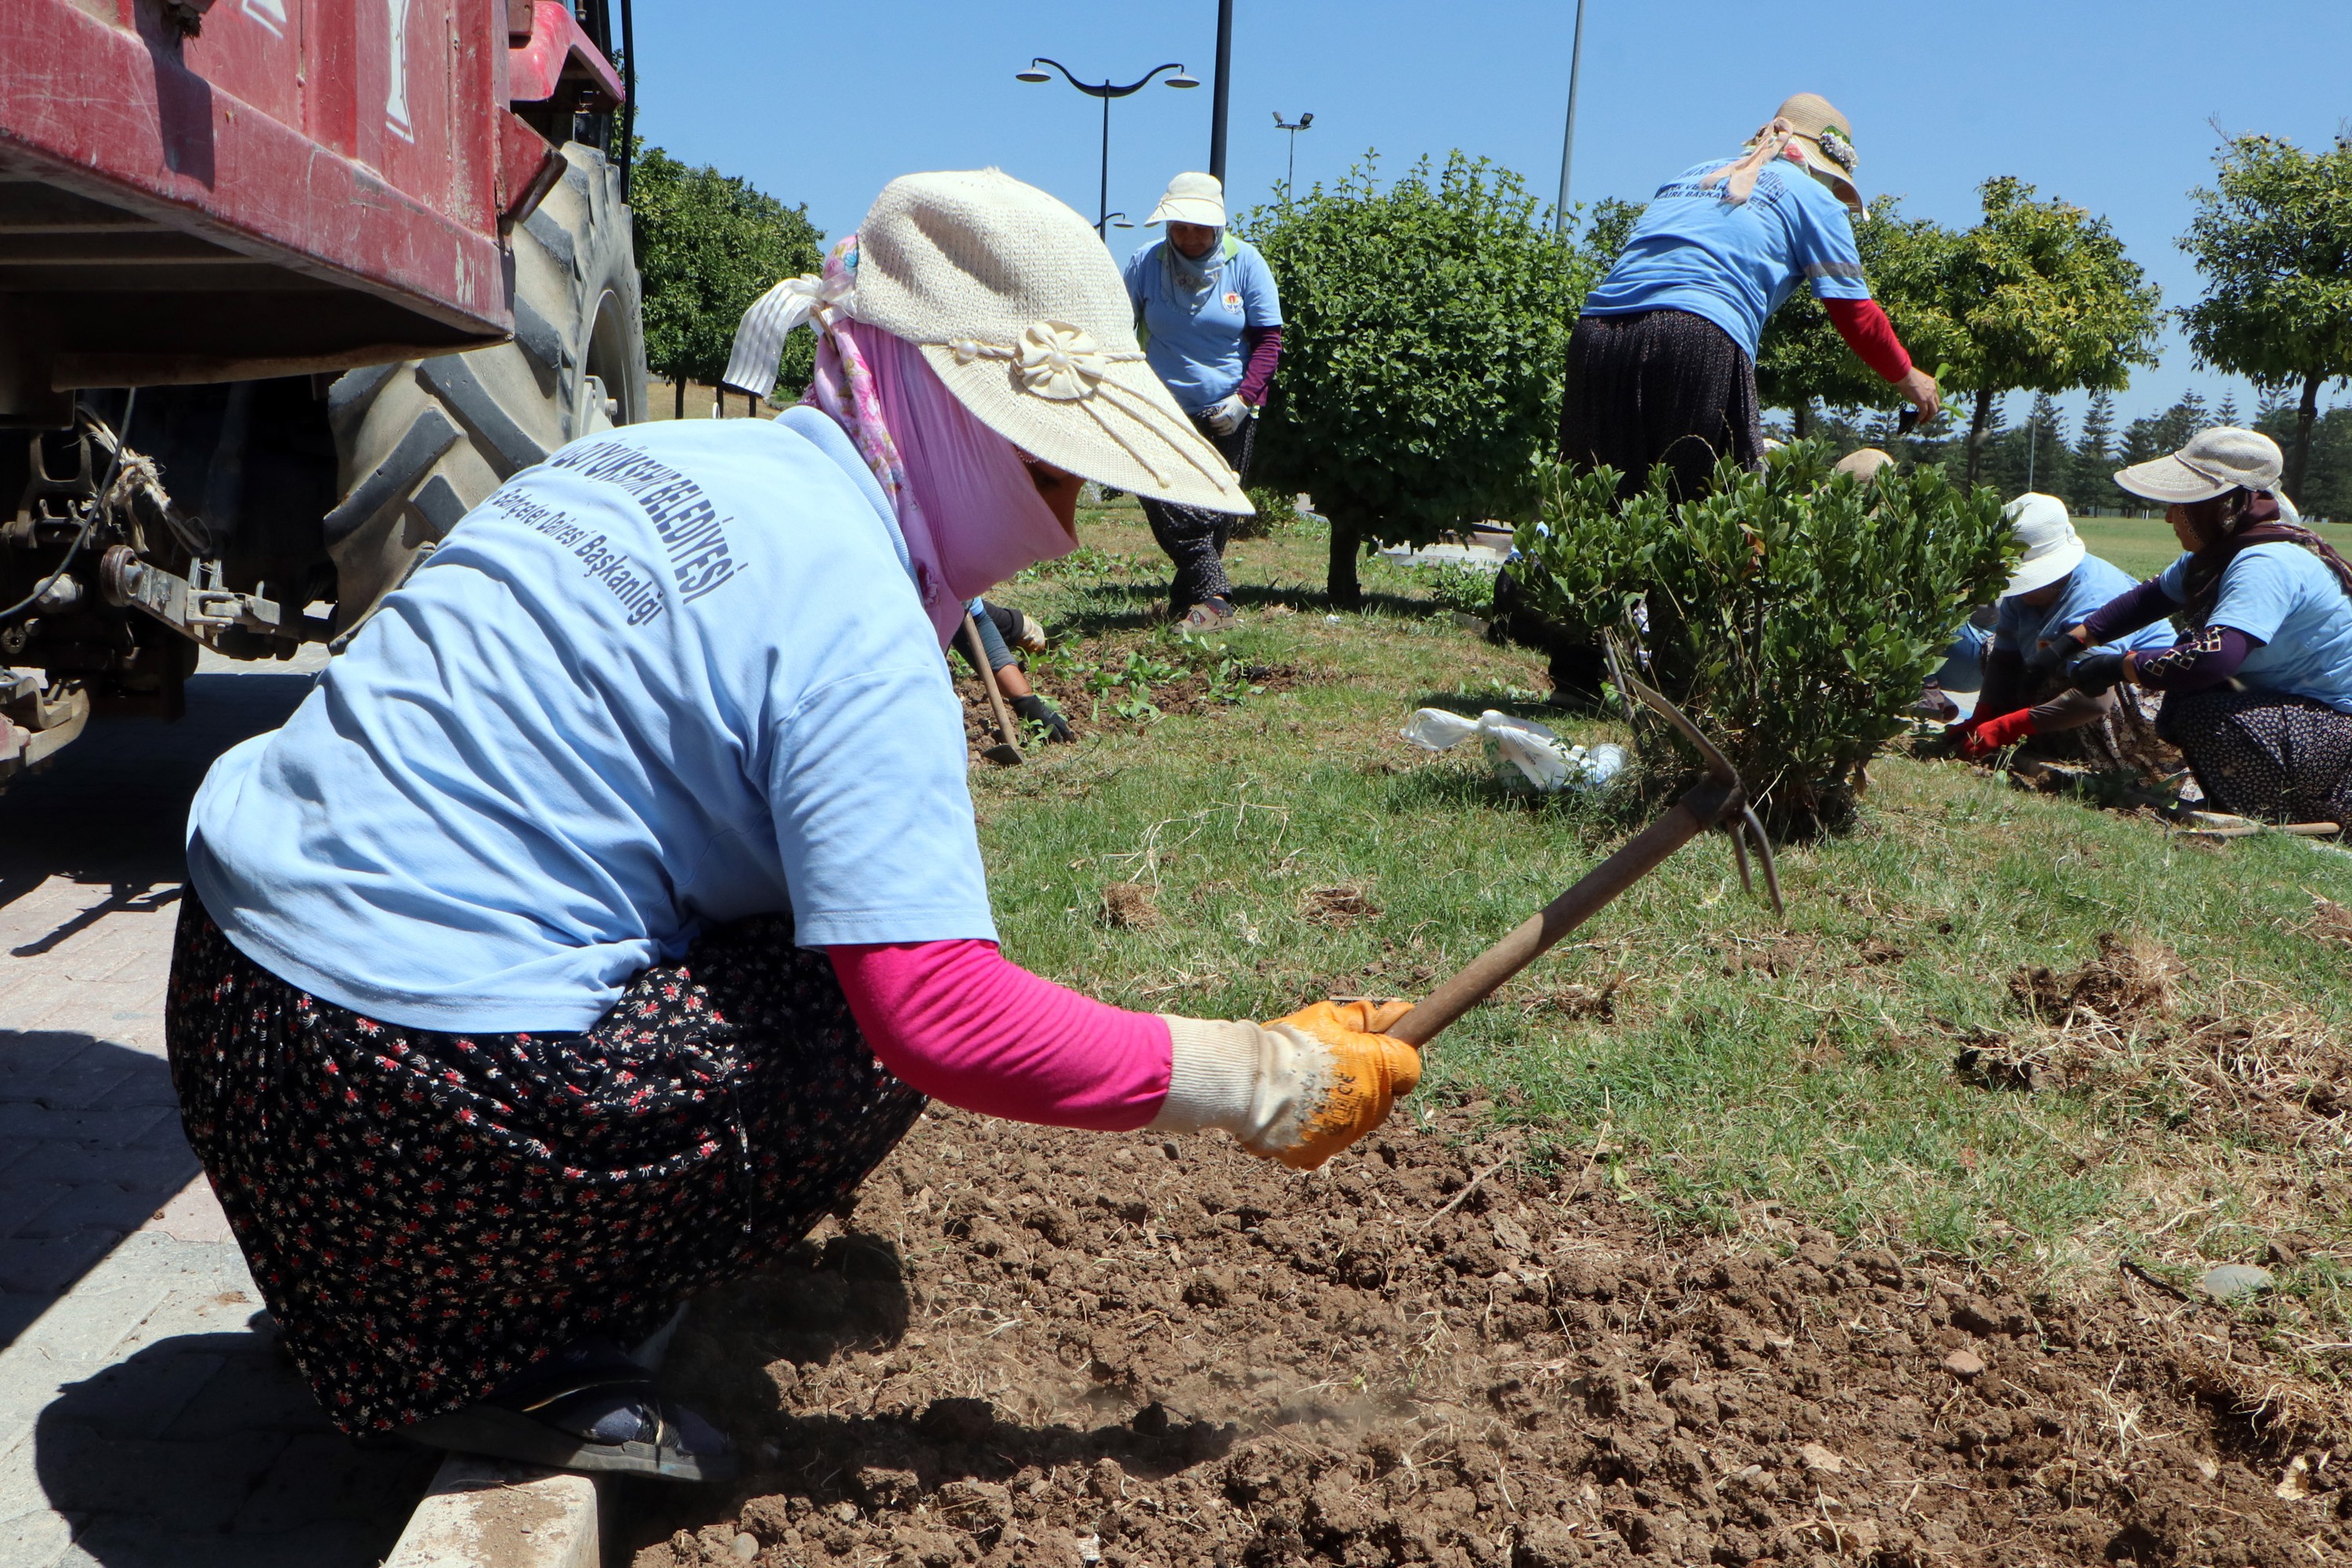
<point x="988" y="678"/>
<point x="1718" y="800"/>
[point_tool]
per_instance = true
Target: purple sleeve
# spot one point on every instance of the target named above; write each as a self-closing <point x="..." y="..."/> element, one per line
<point x="2005" y="682"/>
<point x="2127" y="612"/>
<point x="1265" y="348"/>
<point x="2198" y="662"/>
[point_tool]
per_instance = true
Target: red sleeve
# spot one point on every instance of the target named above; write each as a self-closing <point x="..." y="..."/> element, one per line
<point x="1868" y="332"/>
<point x="961" y="1023"/>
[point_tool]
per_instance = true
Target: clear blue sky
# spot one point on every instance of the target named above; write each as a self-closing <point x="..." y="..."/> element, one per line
<point x="2111" y="106"/>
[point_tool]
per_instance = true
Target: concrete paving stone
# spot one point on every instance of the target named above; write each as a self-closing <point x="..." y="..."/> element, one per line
<point x="88" y="1205"/>
<point x="144" y="1396"/>
<point x="101" y="1078"/>
<point x="193" y="1487"/>
<point x="37" y="1539"/>
<point x="28" y="1195"/>
<point x="253" y="1388"/>
<point x="47" y="1265"/>
<point x="320" y="1477"/>
<point x="26" y="1054"/>
<point x="159" y="1172"/>
<point x="117" y="1543"/>
<point x="24" y="1120"/>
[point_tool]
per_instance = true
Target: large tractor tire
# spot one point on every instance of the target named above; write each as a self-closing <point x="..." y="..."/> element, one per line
<point x="420" y="442"/>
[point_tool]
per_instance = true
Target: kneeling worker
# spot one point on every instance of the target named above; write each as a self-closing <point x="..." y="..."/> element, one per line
<point x="2054" y="587"/>
<point x="585" y="936"/>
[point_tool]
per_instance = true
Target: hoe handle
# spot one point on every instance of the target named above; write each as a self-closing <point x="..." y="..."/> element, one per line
<point x="988" y="678"/>
<point x="1708" y="804"/>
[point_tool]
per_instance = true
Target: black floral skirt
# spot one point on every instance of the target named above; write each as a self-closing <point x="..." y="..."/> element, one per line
<point x="428" y="1213"/>
<point x="1660" y="386"/>
<point x="2265" y="754"/>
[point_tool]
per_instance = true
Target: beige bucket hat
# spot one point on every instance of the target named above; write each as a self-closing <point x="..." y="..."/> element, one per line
<point x="1192" y="197"/>
<point x="2214" y="463"/>
<point x="1825" y="137"/>
<point x="2053" y="548"/>
<point x="1022" y="314"/>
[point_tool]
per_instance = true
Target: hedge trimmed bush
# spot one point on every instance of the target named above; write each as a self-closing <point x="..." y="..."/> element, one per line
<point x="1792" y="612"/>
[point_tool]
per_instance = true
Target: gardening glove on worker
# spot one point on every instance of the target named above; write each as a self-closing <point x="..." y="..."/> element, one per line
<point x="1982" y="738"/>
<point x="1037" y="710"/>
<point x="2095" y="672"/>
<point x="1298" y="1090"/>
<point x="1228" y="417"/>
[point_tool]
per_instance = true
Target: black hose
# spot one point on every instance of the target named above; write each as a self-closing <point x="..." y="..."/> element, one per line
<point x="121" y="441"/>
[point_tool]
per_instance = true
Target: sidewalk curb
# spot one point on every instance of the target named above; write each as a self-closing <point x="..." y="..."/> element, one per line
<point x="490" y="1513"/>
<point x="484" y="1513"/>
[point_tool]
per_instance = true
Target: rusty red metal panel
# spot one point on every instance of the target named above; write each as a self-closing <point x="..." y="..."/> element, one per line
<point x="383" y="179"/>
<point x="557" y="42"/>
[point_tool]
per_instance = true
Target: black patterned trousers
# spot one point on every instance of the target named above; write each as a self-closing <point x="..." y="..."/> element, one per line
<point x="2265" y="754"/>
<point x="426" y="1213"/>
<point x="1194" y="537"/>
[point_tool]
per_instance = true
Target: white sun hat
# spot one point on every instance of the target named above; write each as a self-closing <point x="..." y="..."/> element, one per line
<point x="1191" y="198"/>
<point x="2214" y="463"/>
<point x="2053" y="548"/>
<point x="1024" y="315"/>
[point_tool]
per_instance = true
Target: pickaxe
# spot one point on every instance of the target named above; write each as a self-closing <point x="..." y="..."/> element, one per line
<point x="1718" y="800"/>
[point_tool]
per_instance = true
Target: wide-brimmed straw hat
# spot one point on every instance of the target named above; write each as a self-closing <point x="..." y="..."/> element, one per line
<point x="1022" y="314"/>
<point x="1825" y="137"/>
<point x="2214" y="463"/>
<point x="2053" y="548"/>
<point x="1192" y="197"/>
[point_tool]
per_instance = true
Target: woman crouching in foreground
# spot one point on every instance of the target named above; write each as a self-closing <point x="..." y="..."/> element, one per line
<point x="604" y="916"/>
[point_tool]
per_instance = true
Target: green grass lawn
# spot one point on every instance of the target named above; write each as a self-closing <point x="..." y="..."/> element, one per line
<point x="1719" y="1062"/>
<point x="2143" y="547"/>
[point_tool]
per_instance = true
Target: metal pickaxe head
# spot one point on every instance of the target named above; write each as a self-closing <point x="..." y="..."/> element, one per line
<point x="1739" y="818"/>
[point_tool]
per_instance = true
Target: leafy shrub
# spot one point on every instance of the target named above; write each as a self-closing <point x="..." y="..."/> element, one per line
<point x="1424" y="337"/>
<point x="1792" y="612"/>
<point x="1277" y="509"/>
<point x="1468" y="589"/>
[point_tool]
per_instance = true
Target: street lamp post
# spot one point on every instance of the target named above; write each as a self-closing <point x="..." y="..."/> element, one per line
<point x="1106" y="91"/>
<point x="1567" y="137"/>
<point x="1220" y="93"/>
<point x="1304" y="120"/>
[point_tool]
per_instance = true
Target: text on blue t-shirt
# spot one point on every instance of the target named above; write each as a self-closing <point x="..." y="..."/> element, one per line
<point x="1695" y="249"/>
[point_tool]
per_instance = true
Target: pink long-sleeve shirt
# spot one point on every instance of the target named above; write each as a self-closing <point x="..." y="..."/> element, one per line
<point x="961" y="1023"/>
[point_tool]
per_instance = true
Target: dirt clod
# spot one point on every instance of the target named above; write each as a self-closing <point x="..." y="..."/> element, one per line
<point x="1030" y="1349"/>
<point x="1129" y="906"/>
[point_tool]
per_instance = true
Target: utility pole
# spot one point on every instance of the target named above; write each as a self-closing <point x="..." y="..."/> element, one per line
<point x="1104" y="90"/>
<point x="1222" y="92"/>
<point x="1567" y="137"/>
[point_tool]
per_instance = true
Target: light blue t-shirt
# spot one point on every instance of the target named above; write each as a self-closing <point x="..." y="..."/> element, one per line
<point x="1694" y="249"/>
<point x="2023" y="629"/>
<point x="2286" y="596"/>
<point x="1199" y="355"/>
<point x="674" y="675"/>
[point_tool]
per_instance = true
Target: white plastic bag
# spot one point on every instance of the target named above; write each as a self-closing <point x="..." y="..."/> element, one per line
<point x="1541" y="758"/>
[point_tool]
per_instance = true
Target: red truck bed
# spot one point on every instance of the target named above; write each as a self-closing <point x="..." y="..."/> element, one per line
<point x="293" y="187"/>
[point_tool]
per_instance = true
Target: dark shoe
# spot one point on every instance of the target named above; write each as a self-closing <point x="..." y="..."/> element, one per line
<point x="586" y="1408"/>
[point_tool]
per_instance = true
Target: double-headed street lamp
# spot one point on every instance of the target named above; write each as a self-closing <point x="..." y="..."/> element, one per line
<point x="1106" y="91"/>
<point x="1304" y="120"/>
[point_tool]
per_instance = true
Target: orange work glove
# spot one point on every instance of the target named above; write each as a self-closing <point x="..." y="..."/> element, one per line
<point x="1298" y="1090"/>
<point x="1369" y="1073"/>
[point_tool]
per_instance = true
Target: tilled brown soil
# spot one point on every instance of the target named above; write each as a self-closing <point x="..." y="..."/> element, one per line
<point x="1027" y="1346"/>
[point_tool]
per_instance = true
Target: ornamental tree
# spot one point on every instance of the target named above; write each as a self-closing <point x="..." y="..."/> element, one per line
<point x="2273" y="239"/>
<point x="1424" y="336"/>
<point x="707" y="245"/>
<point x="1803" y="359"/>
<point x="2041" y="297"/>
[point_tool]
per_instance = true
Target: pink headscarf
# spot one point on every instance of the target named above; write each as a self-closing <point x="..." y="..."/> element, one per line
<point x="966" y="502"/>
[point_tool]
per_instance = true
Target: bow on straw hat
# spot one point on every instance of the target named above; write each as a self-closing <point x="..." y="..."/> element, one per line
<point x="1022" y="315"/>
<point x="1808" y="128"/>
